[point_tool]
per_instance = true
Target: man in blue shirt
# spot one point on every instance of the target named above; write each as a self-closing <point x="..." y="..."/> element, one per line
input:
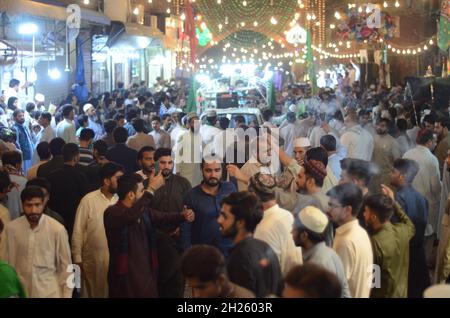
<point x="205" y="200"/>
<point x="121" y="154"/>
<point x="24" y="139"/>
<point x="415" y="206"/>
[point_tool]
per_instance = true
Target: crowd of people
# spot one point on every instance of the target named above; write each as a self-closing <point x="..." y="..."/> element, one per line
<point x="343" y="194"/>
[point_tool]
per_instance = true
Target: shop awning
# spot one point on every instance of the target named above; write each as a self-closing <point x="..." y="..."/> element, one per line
<point x="50" y="11"/>
<point x="132" y="35"/>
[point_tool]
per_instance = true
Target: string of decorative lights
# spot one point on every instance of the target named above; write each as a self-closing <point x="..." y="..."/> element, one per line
<point x="414" y="49"/>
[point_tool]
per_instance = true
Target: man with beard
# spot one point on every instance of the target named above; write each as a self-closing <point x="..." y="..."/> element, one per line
<point x="93" y="122"/>
<point x="309" y="231"/>
<point x="168" y="198"/>
<point x="188" y="151"/>
<point x="415" y="206"/>
<point x="204" y="199"/>
<point x="89" y="245"/>
<point x="386" y="151"/>
<point x="24" y="139"/>
<point x="130" y="232"/>
<point x="301" y="146"/>
<point x="260" y="161"/>
<point x="351" y="241"/>
<point x="309" y="185"/>
<point x="146" y="159"/>
<point x="37" y="247"/>
<point x="390" y="243"/>
<point x="46" y="187"/>
<point x="252" y="263"/>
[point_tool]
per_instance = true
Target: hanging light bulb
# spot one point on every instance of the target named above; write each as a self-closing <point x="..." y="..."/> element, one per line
<point x="360" y="9"/>
<point x="385" y="4"/>
<point x="86" y="2"/>
<point x="168" y="10"/>
<point x="136" y="11"/>
<point x="244" y="3"/>
<point x="150" y="1"/>
<point x="337" y="15"/>
<point x="273" y="20"/>
<point x="397" y="4"/>
<point x="183" y="17"/>
<point x="54" y="73"/>
<point x="431" y="42"/>
<point x="255" y="24"/>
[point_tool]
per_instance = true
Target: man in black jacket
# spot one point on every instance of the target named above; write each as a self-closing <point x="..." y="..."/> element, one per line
<point x="57" y="161"/>
<point x="68" y="186"/>
<point x="121" y="154"/>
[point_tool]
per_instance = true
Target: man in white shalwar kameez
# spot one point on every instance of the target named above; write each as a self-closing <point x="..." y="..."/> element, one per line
<point x="89" y="243"/>
<point x="37" y="246"/>
<point x="428" y="183"/>
<point x="427" y="180"/>
<point x="290" y="133"/>
<point x="357" y="141"/>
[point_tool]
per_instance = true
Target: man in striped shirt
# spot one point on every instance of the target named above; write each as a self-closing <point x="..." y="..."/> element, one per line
<point x="86" y="137"/>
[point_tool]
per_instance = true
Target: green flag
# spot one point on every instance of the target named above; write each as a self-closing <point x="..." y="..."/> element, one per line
<point x="191" y="105"/>
<point x="271" y="97"/>
<point x="444" y="26"/>
<point x="310" y="63"/>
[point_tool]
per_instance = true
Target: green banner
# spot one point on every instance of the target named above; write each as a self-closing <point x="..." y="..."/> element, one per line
<point x="444" y="26"/>
<point x="310" y="64"/>
<point x="191" y="105"/>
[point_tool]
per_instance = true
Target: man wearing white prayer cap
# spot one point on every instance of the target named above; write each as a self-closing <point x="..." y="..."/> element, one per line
<point x="39" y="101"/>
<point x="88" y="109"/>
<point x="301" y="146"/>
<point x="309" y="232"/>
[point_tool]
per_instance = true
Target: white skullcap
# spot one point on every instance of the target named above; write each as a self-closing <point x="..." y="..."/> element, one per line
<point x="211" y="113"/>
<point x="312" y="219"/>
<point x="39" y="98"/>
<point x="302" y="142"/>
<point x="437" y="291"/>
<point x="87" y="107"/>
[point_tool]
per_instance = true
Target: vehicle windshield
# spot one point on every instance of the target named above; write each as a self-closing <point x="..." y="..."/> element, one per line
<point x="250" y="119"/>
